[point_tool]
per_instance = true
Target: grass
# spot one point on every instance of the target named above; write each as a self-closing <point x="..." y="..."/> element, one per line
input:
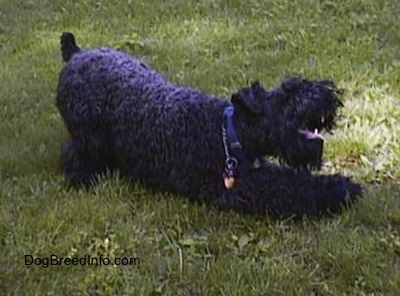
<point x="187" y="249"/>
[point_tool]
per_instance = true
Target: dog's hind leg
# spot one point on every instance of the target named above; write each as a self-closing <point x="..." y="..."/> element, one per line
<point x="86" y="155"/>
<point x="79" y="165"/>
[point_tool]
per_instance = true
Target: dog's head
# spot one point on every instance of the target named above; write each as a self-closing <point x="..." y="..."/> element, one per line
<point x="287" y="121"/>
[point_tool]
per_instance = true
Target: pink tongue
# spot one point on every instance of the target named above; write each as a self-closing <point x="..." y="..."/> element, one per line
<point x="310" y="135"/>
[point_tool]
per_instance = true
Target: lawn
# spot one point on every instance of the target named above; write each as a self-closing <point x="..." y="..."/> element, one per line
<point x="182" y="248"/>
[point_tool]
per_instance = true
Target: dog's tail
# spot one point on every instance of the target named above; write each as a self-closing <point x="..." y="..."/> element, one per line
<point x="68" y="46"/>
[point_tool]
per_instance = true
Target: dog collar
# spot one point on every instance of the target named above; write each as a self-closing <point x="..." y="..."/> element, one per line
<point x="232" y="147"/>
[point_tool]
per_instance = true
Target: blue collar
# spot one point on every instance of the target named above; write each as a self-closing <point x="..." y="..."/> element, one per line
<point x="232" y="147"/>
<point x="231" y="136"/>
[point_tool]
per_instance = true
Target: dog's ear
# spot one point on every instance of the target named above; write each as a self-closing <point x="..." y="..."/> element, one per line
<point x="249" y="99"/>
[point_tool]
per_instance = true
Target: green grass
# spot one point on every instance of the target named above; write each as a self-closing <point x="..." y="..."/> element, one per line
<point x="187" y="249"/>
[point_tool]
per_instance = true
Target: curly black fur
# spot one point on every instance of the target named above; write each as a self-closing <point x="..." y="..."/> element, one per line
<point x="285" y="192"/>
<point x="122" y="115"/>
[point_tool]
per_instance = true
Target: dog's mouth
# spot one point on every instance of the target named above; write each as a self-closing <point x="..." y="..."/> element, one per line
<point x="311" y="135"/>
<point x="313" y="129"/>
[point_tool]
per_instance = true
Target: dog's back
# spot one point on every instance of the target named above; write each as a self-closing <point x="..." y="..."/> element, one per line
<point x="68" y="46"/>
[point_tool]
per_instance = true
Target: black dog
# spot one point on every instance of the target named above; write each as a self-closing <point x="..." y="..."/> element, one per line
<point x="122" y="115"/>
